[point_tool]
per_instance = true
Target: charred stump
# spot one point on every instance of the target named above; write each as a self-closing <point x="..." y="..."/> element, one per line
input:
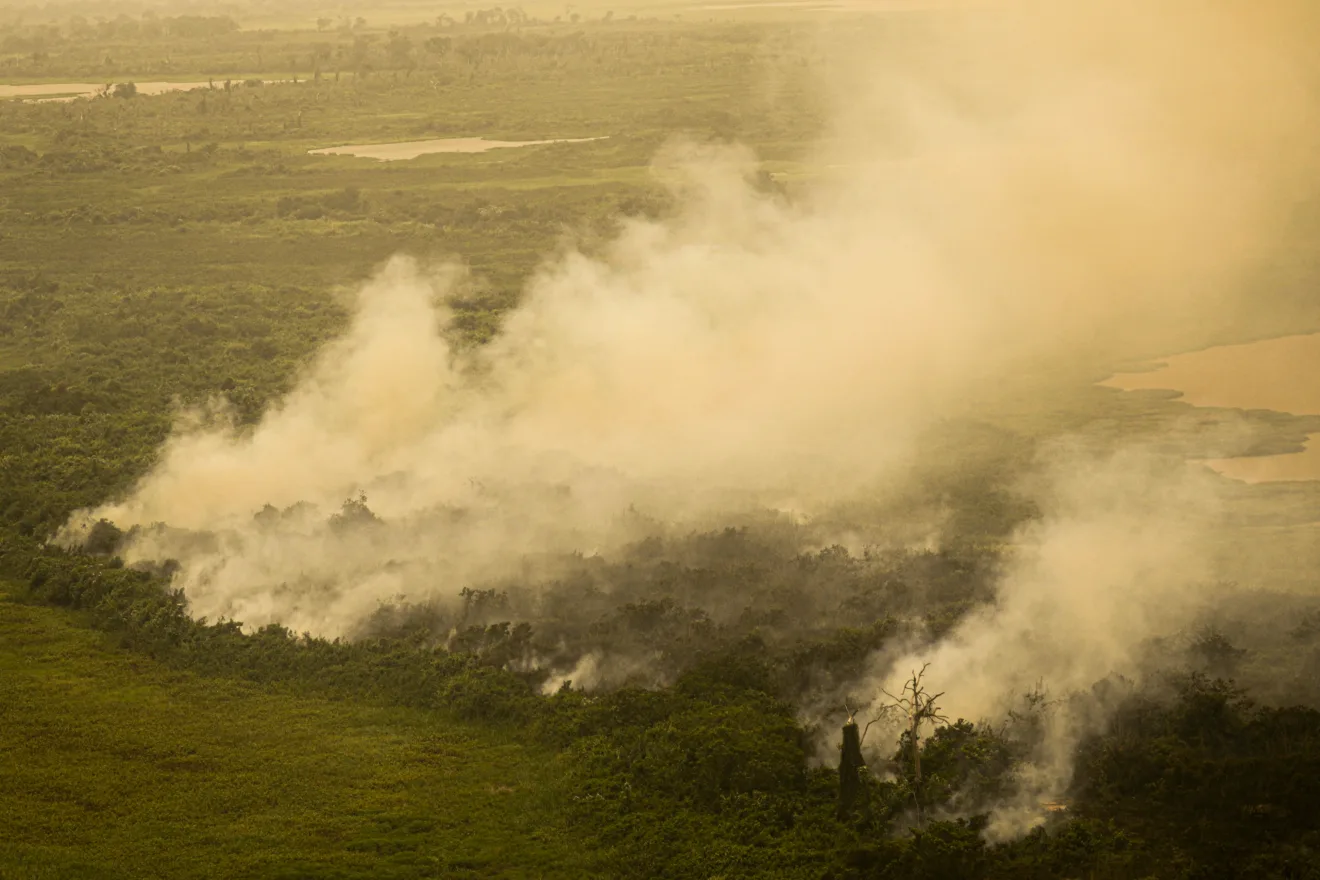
<point x="852" y="789"/>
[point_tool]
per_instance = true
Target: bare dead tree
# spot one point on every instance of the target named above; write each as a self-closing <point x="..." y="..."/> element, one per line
<point x="917" y="706"/>
<point x="880" y="714"/>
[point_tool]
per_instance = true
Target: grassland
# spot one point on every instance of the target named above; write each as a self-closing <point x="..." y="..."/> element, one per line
<point x="115" y="766"/>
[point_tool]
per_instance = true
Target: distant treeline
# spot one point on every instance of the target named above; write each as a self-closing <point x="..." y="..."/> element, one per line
<point x="216" y="45"/>
<point x="78" y="29"/>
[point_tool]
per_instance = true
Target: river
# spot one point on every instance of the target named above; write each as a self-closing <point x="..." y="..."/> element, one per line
<point x="73" y="91"/>
<point x="1281" y="374"/>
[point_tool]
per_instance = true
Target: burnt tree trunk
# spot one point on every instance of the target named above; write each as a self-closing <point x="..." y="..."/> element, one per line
<point x="852" y="791"/>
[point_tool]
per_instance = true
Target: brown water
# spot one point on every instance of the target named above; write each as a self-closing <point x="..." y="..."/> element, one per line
<point x="73" y="91"/>
<point x="1280" y="374"/>
<point x="46" y="89"/>
<point x="412" y="149"/>
<point x="875" y="6"/>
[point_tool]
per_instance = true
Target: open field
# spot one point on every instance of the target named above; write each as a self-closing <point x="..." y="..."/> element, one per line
<point x="118" y="767"/>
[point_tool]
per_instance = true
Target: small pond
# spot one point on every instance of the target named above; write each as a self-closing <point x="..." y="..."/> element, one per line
<point x="412" y="149"/>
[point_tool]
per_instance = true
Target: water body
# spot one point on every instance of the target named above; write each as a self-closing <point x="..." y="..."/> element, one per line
<point x="73" y="91"/>
<point x="41" y="90"/>
<point x="873" y="6"/>
<point x="1280" y="374"/>
<point x="412" y="149"/>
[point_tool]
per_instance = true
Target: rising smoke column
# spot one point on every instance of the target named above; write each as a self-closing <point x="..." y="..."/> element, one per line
<point x="1122" y="554"/>
<point x="1021" y="190"/>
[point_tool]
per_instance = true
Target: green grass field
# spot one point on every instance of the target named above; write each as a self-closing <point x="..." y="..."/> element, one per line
<point x="115" y="767"/>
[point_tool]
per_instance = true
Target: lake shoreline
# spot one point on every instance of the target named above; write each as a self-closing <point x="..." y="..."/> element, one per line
<point x="1266" y="374"/>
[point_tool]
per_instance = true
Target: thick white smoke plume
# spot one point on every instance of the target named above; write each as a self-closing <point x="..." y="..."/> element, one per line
<point x="1118" y="558"/>
<point x="1015" y="191"/>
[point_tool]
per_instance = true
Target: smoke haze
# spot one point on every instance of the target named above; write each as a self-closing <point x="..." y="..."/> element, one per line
<point x="1018" y="192"/>
<point x="1118" y="558"/>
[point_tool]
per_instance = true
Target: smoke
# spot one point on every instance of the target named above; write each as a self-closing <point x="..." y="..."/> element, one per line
<point x="1118" y="557"/>
<point x="1113" y="561"/>
<point x="1009" y="196"/>
<point x="594" y="670"/>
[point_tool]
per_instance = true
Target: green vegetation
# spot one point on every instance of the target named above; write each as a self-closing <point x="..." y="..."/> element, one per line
<point x="170" y="248"/>
<point x="319" y="776"/>
<point x="117" y="766"/>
